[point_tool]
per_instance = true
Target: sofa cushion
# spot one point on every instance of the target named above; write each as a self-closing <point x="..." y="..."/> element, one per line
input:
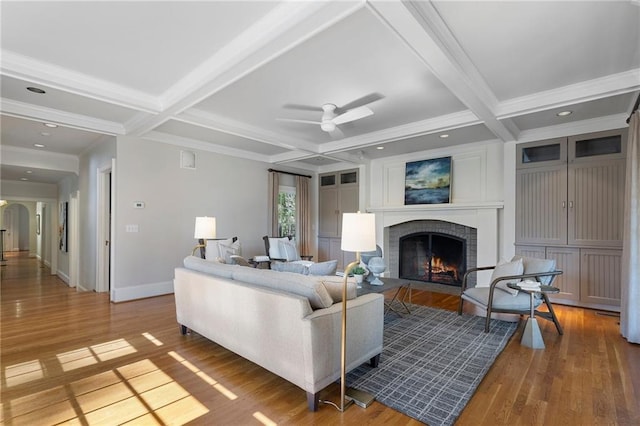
<point x="502" y="299"/>
<point x="214" y="268"/>
<point x="533" y="265"/>
<point x="295" y="267"/>
<point x="310" y="287"/>
<point x="323" y="268"/>
<point x="334" y="286"/>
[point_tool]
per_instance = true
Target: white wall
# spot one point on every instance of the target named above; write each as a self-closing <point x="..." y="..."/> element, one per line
<point x="66" y="187"/>
<point x="99" y="156"/>
<point x="231" y="189"/>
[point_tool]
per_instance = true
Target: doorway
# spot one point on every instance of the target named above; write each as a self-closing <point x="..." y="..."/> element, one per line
<point x="104" y="228"/>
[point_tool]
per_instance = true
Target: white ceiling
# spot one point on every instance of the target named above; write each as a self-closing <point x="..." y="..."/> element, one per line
<point x="216" y="75"/>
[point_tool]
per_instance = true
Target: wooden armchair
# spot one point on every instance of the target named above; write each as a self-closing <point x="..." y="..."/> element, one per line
<point x="497" y="297"/>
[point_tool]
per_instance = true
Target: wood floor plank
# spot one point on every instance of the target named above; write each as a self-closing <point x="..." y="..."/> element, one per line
<point x="76" y="358"/>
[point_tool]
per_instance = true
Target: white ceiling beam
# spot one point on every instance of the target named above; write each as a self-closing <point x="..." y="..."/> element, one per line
<point x="286" y="26"/>
<point x="38" y="72"/>
<point x="420" y="26"/>
<point x="591" y="90"/>
<point x="610" y="122"/>
<point x="39" y="113"/>
<point x="37" y="159"/>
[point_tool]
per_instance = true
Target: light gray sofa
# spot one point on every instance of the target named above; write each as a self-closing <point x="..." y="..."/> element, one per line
<point x="288" y="323"/>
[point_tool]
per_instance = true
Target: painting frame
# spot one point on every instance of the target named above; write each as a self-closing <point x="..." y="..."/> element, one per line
<point x="428" y="181"/>
<point x="63" y="231"/>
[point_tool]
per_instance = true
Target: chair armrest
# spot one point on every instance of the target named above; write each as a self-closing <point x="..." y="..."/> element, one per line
<point x="469" y="272"/>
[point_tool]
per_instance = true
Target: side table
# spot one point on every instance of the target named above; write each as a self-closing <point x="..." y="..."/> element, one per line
<point x="532" y="337"/>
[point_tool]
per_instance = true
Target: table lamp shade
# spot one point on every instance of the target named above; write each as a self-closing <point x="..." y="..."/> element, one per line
<point x="358" y="232"/>
<point x="205" y="228"/>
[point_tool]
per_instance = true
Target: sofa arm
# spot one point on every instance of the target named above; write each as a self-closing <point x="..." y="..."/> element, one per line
<point x="322" y="331"/>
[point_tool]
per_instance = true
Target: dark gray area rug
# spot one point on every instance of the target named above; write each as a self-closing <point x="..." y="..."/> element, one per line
<point x="432" y="362"/>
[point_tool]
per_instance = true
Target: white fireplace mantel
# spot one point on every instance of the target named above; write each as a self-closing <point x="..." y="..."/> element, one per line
<point x="482" y="215"/>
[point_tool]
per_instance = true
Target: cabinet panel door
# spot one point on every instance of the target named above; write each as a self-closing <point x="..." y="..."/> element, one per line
<point x="335" y="252"/>
<point x="567" y="261"/>
<point x="541" y="214"/>
<point x="596" y="203"/>
<point x="600" y="276"/>
<point x="323" y="250"/>
<point x="328" y="223"/>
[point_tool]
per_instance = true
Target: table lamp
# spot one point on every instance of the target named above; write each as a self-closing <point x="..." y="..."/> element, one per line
<point x="205" y="230"/>
<point x="358" y="235"/>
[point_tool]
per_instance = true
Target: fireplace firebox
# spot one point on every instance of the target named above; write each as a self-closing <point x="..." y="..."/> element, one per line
<point x="433" y="257"/>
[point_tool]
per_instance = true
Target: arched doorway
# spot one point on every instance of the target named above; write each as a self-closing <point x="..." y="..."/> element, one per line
<point x="16" y="221"/>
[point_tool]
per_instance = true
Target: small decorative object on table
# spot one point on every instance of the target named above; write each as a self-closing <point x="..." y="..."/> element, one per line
<point x="376" y="267"/>
<point x="358" y="274"/>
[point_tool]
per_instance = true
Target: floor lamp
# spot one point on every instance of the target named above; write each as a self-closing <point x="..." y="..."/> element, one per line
<point x="358" y="235"/>
<point x="205" y="230"/>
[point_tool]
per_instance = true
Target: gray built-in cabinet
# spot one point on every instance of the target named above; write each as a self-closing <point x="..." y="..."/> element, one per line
<point x="569" y="207"/>
<point x="338" y="194"/>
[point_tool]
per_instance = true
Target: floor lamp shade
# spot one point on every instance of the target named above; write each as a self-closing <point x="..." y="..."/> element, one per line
<point x="358" y="232"/>
<point x="205" y="228"/>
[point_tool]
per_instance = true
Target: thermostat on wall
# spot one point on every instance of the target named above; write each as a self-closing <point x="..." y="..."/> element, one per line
<point x="138" y="204"/>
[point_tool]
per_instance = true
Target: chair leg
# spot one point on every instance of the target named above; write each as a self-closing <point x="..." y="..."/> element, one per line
<point x="553" y="314"/>
<point x="460" y="305"/>
<point x="487" y="320"/>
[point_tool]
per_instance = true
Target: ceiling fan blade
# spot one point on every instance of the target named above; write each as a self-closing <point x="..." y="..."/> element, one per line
<point x="352" y="115"/>
<point x="302" y="107"/>
<point x="365" y="100"/>
<point x="294" y="120"/>
<point x="336" y="134"/>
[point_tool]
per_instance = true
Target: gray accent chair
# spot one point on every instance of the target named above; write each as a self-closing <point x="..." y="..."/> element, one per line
<point x="495" y="298"/>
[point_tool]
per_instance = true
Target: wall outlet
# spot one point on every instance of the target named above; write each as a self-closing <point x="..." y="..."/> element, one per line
<point x="138" y="204"/>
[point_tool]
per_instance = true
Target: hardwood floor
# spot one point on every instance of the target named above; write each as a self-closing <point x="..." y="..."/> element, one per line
<point x="75" y="358"/>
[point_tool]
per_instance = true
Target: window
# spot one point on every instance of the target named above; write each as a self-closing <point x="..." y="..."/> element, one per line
<point x="287" y="211"/>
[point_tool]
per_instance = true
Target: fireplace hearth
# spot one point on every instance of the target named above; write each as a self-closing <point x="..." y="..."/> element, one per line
<point x="433" y="257"/>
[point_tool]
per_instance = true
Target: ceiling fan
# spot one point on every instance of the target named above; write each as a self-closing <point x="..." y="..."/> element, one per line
<point x="332" y="116"/>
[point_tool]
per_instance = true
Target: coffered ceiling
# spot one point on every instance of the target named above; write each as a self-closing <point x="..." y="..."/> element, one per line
<point x="221" y="75"/>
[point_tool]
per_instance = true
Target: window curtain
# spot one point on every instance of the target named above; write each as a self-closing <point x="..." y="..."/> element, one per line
<point x="630" y="292"/>
<point x="303" y="215"/>
<point x="274" y="191"/>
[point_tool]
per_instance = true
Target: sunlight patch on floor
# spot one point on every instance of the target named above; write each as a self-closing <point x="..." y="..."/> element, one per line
<point x="204" y="376"/>
<point x="152" y="339"/>
<point x="23" y="373"/>
<point x="266" y="421"/>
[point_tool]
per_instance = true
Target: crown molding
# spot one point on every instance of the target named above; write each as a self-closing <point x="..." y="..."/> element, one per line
<point x="76" y="121"/>
<point x="610" y="122"/>
<point x="611" y="85"/>
<point x="29" y="69"/>
<point x="203" y="146"/>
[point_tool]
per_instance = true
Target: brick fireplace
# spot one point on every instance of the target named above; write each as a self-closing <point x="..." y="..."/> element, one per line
<point x="432" y="251"/>
<point x="476" y="225"/>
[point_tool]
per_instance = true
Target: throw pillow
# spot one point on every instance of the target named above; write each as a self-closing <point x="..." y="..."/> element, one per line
<point x="324" y="268"/>
<point x="288" y="251"/>
<point x="504" y="269"/>
<point x="213" y="252"/>
<point x="274" y="247"/>
<point x="298" y="268"/>
<point x="226" y="251"/>
<point x="533" y="265"/>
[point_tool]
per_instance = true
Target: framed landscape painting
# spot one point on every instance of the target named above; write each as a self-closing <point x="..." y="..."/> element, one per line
<point x="428" y="181"/>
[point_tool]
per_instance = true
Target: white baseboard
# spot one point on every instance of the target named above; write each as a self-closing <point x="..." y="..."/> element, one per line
<point x="64" y="277"/>
<point x="141" y="291"/>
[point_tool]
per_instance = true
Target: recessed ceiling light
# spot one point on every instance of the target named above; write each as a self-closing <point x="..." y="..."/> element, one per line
<point x="564" y="113"/>
<point x="24" y="179"/>
<point x="28" y="172"/>
<point x="36" y="90"/>
<point x="38" y="145"/>
<point x="444" y="136"/>
<point x="51" y="125"/>
<point x="379" y="147"/>
<point x="45" y="133"/>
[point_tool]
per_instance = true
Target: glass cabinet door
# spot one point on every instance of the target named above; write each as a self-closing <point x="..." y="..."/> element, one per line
<point x="598" y="146"/>
<point x="541" y="153"/>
